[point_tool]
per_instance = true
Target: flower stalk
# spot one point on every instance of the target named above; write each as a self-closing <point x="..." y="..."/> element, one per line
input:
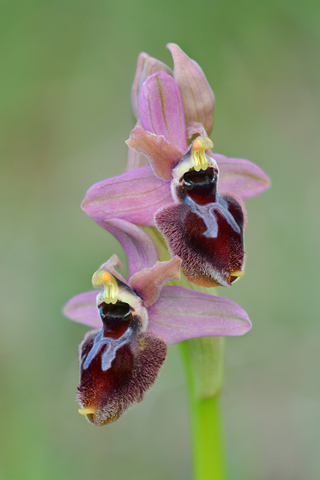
<point x="206" y="430"/>
<point x="204" y="360"/>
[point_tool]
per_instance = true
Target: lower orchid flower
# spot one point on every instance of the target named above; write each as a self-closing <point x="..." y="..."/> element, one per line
<point x="192" y="196"/>
<point x="133" y="323"/>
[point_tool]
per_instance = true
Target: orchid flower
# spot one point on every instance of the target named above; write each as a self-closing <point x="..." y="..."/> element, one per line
<point x="192" y="196"/>
<point x="134" y="320"/>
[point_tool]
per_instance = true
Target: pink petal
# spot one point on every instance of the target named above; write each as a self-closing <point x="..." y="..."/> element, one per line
<point x="240" y="176"/>
<point x="82" y="309"/>
<point x="162" y="155"/>
<point x="140" y="250"/>
<point x="136" y="83"/>
<point x="161" y="109"/>
<point x="134" y="196"/>
<point x="135" y="160"/>
<point x="196" y="93"/>
<point x="146" y="66"/>
<point x="194" y="129"/>
<point x="149" y="282"/>
<point x="180" y="314"/>
<point x="109" y="265"/>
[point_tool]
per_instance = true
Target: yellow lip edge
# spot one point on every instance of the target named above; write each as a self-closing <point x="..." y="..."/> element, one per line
<point x="237" y="273"/>
<point x="86" y="411"/>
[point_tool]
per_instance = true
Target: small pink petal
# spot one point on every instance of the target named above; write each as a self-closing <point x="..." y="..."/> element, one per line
<point x="135" y="160"/>
<point x="140" y="249"/>
<point x="82" y="309"/>
<point x="134" y="196"/>
<point x="195" y="129"/>
<point x="146" y="66"/>
<point x="161" y="109"/>
<point x="149" y="282"/>
<point x="196" y="93"/>
<point x="240" y="177"/>
<point x="109" y="265"/>
<point x="136" y="83"/>
<point x="162" y="155"/>
<point x="180" y="314"/>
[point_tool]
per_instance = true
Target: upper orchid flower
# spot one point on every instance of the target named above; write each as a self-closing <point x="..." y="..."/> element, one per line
<point x="196" y="94"/>
<point x="178" y="192"/>
<point x="136" y="320"/>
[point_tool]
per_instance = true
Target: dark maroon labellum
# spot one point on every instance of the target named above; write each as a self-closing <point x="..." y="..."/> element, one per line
<point x="96" y="384"/>
<point x="205" y="229"/>
<point x="119" y="373"/>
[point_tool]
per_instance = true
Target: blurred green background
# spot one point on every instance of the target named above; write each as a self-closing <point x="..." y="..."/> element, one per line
<point x="67" y="69"/>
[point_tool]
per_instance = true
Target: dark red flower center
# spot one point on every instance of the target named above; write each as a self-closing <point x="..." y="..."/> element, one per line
<point x="201" y="186"/>
<point x="116" y="318"/>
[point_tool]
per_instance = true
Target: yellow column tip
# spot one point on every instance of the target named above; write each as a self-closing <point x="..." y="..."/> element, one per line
<point x="100" y="277"/>
<point x="202" y="143"/>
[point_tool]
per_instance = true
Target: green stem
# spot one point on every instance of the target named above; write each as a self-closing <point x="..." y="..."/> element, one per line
<point x="207" y="442"/>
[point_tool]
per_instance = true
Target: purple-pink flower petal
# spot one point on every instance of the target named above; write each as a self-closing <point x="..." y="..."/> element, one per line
<point x="196" y="93"/>
<point x="162" y="156"/>
<point x="161" y="109"/>
<point x="180" y="314"/>
<point x="149" y="282"/>
<point x="82" y="309"/>
<point x="240" y="177"/>
<point x="134" y="196"/>
<point x="109" y="265"/>
<point x="146" y="66"/>
<point x="194" y="129"/>
<point x="139" y="248"/>
<point x="135" y="160"/>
